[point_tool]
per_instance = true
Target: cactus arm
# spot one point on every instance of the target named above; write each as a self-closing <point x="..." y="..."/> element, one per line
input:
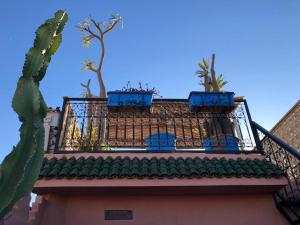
<point x="21" y="167"/>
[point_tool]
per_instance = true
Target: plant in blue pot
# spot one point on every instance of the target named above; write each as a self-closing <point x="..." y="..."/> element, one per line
<point x="213" y="98"/>
<point x="218" y="134"/>
<point x="140" y="97"/>
<point x="218" y="130"/>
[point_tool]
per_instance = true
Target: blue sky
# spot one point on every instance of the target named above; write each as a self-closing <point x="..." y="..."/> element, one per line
<point x="257" y="46"/>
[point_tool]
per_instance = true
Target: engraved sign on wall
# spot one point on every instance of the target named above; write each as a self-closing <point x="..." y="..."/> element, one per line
<point x="118" y="215"/>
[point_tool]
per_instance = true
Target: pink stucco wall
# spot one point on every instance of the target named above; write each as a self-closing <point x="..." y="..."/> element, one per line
<point x="177" y="201"/>
<point x="242" y="209"/>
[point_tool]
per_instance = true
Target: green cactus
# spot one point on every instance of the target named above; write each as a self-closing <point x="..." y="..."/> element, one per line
<point x="19" y="170"/>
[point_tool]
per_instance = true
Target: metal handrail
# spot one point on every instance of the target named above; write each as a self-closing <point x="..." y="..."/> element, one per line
<point x="278" y="141"/>
<point x="286" y="158"/>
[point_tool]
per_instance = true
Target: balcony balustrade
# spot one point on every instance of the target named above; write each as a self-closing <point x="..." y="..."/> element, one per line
<point x="89" y="124"/>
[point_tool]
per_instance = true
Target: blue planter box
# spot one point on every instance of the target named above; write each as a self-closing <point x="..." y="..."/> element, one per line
<point x="201" y="101"/>
<point x="226" y="142"/>
<point x="162" y="142"/>
<point x="123" y="98"/>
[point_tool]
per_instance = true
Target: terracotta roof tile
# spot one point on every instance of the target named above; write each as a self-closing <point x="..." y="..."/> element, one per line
<point x="157" y="168"/>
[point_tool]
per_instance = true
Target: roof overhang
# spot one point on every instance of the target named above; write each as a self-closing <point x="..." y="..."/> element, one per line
<point x="165" y="186"/>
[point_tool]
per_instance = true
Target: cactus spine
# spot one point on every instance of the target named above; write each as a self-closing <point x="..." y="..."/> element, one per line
<point x="20" y="169"/>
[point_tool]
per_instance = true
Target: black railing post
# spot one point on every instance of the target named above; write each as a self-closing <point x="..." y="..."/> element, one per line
<point x="60" y="125"/>
<point x="254" y="130"/>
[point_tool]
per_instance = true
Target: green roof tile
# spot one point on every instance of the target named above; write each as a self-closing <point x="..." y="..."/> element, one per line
<point x="157" y="167"/>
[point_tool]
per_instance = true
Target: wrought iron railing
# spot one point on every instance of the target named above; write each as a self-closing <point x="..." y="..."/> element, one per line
<point x="88" y="124"/>
<point x="286" y="158"/>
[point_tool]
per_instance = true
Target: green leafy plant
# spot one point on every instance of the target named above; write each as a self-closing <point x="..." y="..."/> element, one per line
<point x="90" y="141"/>
<point x="141" y="89"/>
<point x="202" y="131"/>
<point x="19" y="170"/>
<point x="105" y="147"/>
<point x="207" y="73"/>
<point x="217" y="126"/>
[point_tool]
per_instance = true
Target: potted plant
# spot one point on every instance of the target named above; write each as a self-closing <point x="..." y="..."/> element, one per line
<point x="161" y="142"/>
<point x="132" y="97"/>
<point x="224" y="140"/>
<point x="218" y="130"/>
<point x="213" y="98"/>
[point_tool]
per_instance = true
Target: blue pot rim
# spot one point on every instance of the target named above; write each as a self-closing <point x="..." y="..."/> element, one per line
<point x="210" y="93"/>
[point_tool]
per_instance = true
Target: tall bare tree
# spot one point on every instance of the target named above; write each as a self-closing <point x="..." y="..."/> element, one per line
<point x="94" y="30"/>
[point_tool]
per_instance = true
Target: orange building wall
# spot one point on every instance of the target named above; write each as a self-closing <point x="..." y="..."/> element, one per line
<point x="257" y="209"/>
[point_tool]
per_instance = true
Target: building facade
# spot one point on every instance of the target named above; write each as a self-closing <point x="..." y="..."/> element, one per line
<point x="288" y="127"/>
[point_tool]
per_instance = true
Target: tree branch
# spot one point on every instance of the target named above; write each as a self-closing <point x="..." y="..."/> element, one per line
<point x="91" y="33"/>
<point x="102" y="55"/>
<point x="97" y="26"/>
<point x="111" y="27"/>
<point x="87" y="87"/>
<point x="90" y="37"/>
<point x="91" y="68"/>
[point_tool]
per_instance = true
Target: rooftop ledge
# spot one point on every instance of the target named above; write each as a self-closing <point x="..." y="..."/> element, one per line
<point x="149" y="155"/>
<point x="175" y="186"/>
<point x="156" y="173"/>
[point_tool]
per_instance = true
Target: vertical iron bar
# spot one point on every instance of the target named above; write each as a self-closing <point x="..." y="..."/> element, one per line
<point x="166" y="121"/>
<point x="61" y="120"/>
<point x="253" y="128"/>
<point x="239" y="128"/>
<point x="150" y="137"/>
<point x="83" y="121"/>
<point x="133" y="131"/>
<point x="116" y="130"/>
<point x="125" y="129"/>
<point x="99" y="123"/>
<point x="142" y="130"/>
<point x="191" y="130"/>
<point x="107" y="117"/>
<point x="199" y="129"/>
<point x="213" y="119"/>
<point x="174" y="127"/>
<point x="182" y="126"/>
<point x="158" y="133"/>
<point x="245" y="120"/>
<point x="91" y="119"/>
<point x="73" y="131"/>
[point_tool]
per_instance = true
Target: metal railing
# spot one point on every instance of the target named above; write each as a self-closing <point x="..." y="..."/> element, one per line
<point x="286" y="158"/>
<point x="88" y="124"/>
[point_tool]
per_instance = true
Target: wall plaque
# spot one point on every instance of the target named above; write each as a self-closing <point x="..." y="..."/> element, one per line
<point x="118" y="215"/>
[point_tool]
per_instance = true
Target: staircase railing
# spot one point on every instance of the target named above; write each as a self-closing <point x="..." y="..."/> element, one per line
<point x="286" y="158"/>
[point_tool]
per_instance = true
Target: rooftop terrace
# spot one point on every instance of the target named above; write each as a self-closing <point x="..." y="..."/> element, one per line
<point x="91" y="139"/>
